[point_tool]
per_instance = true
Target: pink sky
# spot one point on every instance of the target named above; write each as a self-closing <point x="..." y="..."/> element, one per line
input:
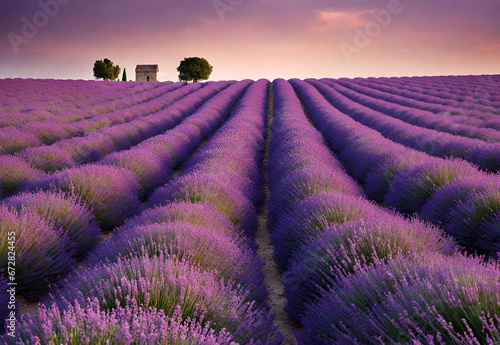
<point x="253" y="38"/>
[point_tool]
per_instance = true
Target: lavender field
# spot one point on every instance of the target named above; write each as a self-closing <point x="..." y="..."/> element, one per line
<point x="136" y="211"/>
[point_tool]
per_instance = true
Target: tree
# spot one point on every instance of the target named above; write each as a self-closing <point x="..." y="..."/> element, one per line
<point x="124" y="77"/>
<point x="104" y="69"/>
<point x="195" y="69"/>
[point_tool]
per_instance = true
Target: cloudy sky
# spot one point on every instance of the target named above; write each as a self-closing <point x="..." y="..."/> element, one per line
<point x="251" y="38"/>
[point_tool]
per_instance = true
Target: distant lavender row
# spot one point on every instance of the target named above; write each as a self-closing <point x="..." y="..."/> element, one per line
<point x="25" y="100"/>
<point x="133" y="126"/>
<point x="79" y="200"/>
<point x="412" y="182"/>
<point x="479" y="115"/>
<point x="185" y="258"/>
<point x="36" y="134"/>
<point x="474" y="98"/>
<point x="420" y="118"/>
<point x="152" y="160"/>
<point x="150" y="163"/>
<point x="480" y="90"/>
<point x="42" y="90"/>
<point x="449" y="102"/>
<point x="31" y="164"/>
<point x="344" y="245"/>
<point x="463" y="85"/>
<point x="115" y="102"/>
<point x="435" y="143"/>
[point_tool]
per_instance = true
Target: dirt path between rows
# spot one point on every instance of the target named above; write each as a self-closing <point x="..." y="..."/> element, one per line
<point x="272" y="277"/>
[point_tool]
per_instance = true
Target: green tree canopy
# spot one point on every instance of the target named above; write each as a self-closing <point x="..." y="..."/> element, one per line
<point x="104" y="69"/>
<point x="195" y="69"/>
<point x="124" y="77"/>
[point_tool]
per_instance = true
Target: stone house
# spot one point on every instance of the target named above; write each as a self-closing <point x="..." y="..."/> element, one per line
<point x="146" y="73"/>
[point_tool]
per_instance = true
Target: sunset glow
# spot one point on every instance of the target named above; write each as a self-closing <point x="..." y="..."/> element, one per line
<point x="251" y="38"/>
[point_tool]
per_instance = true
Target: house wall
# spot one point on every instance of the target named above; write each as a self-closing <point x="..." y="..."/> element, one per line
<point x="143" y="76"/>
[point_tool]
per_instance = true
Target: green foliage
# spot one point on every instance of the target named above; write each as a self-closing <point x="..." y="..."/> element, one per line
<point x="195" y="69"/>
<point x="104" y="69"/>
<point x="124" y="77"/>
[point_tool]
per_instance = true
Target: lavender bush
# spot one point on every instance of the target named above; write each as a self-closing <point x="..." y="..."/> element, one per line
<point x="201" y="213"/>
<point x="218" y="190"/>
<point x="312" y="216"/>
<point x="111" y="193"/>
<point x="48" y="158"/>
<point x="165" y="283"/>
<point x="413" y="186"/>
<point x="343" y="249"/>
<point x="66" y="214"/>
<point x="146" y="166"/>
<point x="42" y="253"/>
<point x="225" y="254"/>
<point x="88" y="324"/>
<point x="13" y="171"/>
<point x="429" y="299"/>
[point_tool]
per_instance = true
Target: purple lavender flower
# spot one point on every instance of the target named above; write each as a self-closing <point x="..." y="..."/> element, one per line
<point x="221" y="157"/>
<point x="14" y="140"/>
<point x="307" y="181"/>
<point x="13" y="171"/>
<point x="145" y="165"/>
<point x="414" y="185"/>
<point x="165" y="283"/>
<point x="238" y="180"/>
<point x="218" y="190"/>
<point x="109" y="192"/>
<point x="380" y="179"/>
<point x="212" y="249"/>
<point x="421" y="299"/>
<point x="342" y="249"/>
<point x="88" y="324"/>
<point x="200" y="213"/>
<point x="65" y="212"/>
<point x="312" y="216"/>
<point x="48" y="158"/>
<point x="47" y="133"/>
<point x="42" y="253"/>
<point x="475" y="221"/>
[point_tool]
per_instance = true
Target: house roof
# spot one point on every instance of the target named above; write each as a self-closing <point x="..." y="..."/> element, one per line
<point x="147" y="68"/>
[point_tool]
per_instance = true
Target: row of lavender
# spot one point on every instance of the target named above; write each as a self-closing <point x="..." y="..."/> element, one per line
<point x="476" y="100"/>
<point x="459" y="86"/>
<point x="468" y="110"/>
<point x="64" y="216"/>
<point x="184" y="271"/>
<point x="355" y="273"/>
<point x="82" y="121"/>
<point x="470" y="89"/>
<point x="451" y="193"/>
<point x="426" y="114"/>
<point x="409" y="127"/>
<point x="33" y="164"/>
<point x="27" y="100"/>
